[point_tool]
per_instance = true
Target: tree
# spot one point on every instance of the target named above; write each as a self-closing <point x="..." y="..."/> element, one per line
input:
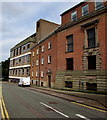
<point x="4" y="68"/>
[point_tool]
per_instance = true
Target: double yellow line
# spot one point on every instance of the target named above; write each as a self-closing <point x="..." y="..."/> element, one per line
<point x="4" y="113"/>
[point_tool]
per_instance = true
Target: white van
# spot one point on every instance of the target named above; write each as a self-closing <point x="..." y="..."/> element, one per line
<point x="24" y="81"/>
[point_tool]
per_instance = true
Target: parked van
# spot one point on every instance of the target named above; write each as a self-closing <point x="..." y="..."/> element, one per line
<point x="24" y="81"/>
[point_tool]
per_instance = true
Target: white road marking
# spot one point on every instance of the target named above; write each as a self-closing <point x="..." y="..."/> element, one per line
<point x="54" y="110"/>
<point x="81" y="116"/>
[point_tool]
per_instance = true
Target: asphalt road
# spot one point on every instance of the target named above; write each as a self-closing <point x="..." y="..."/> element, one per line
<point x="24" y="103"/>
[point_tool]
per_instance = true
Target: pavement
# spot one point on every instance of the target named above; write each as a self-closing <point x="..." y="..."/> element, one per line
<point x="97" y="101"/>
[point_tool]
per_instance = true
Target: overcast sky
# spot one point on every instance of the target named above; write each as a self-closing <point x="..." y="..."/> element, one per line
<point x="17" y="19"/>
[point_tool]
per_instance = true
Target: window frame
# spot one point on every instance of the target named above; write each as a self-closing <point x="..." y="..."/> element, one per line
<point x="97" y="7"/>
<point x="43" y="48"/>
<point x="37" y="51"/>
<point x="93" y="39"/>
<point x="36" y="74"/>
<point x="49" y="59"/>
<point x="74" y="13"/>
<point x="68" y="66"/>
<point x="42" y="60"/>
<point x="42" y="74"/>
<point x="86" y="12"/>
<point x="37" y="62"/>
<point x="68" y="48"/>
<point x="49" y="45"/>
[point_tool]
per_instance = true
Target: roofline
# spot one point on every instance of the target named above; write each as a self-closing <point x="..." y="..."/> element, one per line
<point x="22" y="41"/>
<point x="48" y="21"/>
<point x="74" y="7"/>
<point x="45" y="38"/>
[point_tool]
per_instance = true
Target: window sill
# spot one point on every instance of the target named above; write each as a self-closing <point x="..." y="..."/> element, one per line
<point x="69" y="52"/>
<point x="90" y="47"/>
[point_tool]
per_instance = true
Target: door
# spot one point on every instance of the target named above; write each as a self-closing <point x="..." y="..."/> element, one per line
<point x="49" y="81"/>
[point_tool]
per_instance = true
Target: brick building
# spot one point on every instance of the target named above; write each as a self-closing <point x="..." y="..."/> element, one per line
<point x="20" y="54"/>
<point x="73" y="56"/>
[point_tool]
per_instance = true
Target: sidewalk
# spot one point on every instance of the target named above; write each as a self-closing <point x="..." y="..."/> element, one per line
<point x="94" y="100"/>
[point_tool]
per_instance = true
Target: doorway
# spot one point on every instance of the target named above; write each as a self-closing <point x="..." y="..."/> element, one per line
<point x="49" y="81"/>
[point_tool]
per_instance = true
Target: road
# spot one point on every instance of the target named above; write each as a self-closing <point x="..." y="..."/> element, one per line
<point x="24" y="103"/>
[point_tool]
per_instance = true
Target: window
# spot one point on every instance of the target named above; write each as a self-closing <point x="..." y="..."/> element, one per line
<point x="16" y="72"/>
<point x="91" y="86"/>
<point x="42" y="74"/>
<point x="42" y="84"/>
<point x="28" y="58"/>
<point x="69" y="63"/>
<point x="19" y="71"/>
<point x="91" y="62"/>
<point x="14" y="53"/>
<point x="17" y="51"/>
<point x="32" y="73"/>
<point x="23" y="48"/>
<point x="32" y="63"/>
<point x="36" y="73"/>
<point x="70" y="43"/>
<point x="19" y="59"/>
<point x="37" y="62"/>
<point x="49" y="59"/>
<point x="85" y="10"/>
<point x="37" y="51"/>
<point x="28" y="46"/>
<point x="74" y="16"/>
<point x="43" y="48"/>
<point x="68" y="84"/>
<point x="22" y="71"/>
<point x="98" y="5"/>
<point x="33" y="53"/>
<point x="27" y="71"/>
<point x="20" y="49"/>
<point x="91" y="38"/>
<point x="42" y="61"/>
<point x="49" y="45"/>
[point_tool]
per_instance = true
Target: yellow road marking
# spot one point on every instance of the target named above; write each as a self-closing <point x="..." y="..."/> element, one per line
<point x="90" y="107"/>
<point x="4" y="113"/>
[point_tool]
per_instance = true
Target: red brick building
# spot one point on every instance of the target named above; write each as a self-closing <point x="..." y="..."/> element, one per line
<point x="74" y="55"/>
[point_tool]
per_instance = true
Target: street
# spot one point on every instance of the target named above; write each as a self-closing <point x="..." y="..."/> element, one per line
<point x="24" y="103"/>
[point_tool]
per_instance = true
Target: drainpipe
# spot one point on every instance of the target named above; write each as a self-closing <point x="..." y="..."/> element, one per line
<point x="39" y="64"/>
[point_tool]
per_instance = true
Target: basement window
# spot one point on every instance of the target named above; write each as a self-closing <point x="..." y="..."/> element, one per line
<point x="91" y="86"/>
<point x="68" y="84"/>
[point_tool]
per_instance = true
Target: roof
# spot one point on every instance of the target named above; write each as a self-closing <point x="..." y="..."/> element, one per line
<point x="73" y="8"/>
<point x="46" y="37"/>
<point x="28" y="39"/>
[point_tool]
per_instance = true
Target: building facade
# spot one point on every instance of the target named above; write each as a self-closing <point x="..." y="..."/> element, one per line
<point x="20" y="54"/>
<point x="73" y="56"/>
<point x="81" y="43"/>
<point x="20" y="59"/>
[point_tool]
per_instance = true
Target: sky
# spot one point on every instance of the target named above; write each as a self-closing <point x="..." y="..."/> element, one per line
<point x="18" y="19"/>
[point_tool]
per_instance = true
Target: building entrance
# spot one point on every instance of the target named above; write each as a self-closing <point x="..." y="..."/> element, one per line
<point x="49" y="81"/>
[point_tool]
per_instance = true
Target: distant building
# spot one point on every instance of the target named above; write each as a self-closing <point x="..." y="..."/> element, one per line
<point x="20" y="59"/>
<point x="20" y="54"/>
<point x="73" y="56"/>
